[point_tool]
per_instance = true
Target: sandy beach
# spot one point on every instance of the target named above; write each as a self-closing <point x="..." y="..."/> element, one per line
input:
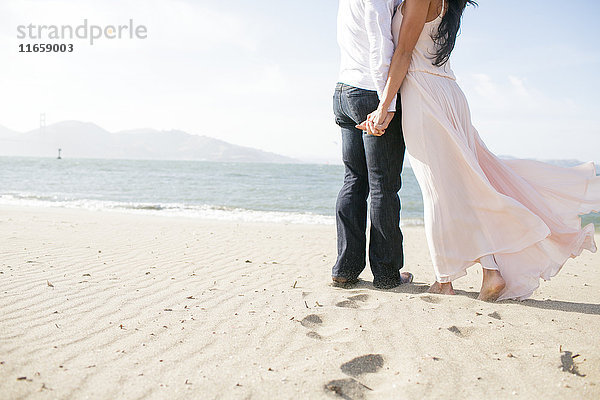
<point x="109" y="305"/>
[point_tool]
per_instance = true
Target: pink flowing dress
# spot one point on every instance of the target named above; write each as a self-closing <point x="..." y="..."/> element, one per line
<point x="525" y="213"/>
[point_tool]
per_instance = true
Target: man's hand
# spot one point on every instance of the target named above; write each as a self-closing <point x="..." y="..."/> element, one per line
<point x="377" y="122"/>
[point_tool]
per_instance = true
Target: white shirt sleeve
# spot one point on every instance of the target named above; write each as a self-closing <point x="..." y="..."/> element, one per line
<point x="378" y="20"/>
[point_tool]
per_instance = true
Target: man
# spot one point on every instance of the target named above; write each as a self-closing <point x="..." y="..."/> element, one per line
<point x="372" y="163"/>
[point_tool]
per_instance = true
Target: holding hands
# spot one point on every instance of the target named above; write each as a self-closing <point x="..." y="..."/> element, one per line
<point x="377" y="122"/>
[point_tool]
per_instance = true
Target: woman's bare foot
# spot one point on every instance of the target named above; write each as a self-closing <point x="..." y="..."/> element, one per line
<point x="442" y="288"/>
<point x="493" y="284"/>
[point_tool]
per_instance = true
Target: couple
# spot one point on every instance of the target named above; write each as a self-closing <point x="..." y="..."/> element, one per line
<point x="519" y="219"/>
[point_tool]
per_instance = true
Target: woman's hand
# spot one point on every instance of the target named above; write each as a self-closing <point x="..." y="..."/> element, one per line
<point x="377" y="122"/>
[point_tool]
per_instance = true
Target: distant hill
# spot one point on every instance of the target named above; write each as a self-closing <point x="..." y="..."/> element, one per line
<point x="5" y="132"/>
<point x="87" y="140"/>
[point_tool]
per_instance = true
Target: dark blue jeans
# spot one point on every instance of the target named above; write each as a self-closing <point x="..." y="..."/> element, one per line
<point x="373" y="164"/>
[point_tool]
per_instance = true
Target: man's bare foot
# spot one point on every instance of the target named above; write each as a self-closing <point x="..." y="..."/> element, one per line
<point x="343" y="282"/>
<point x="406" y="277"/>
<point x="442" y="288"/>
<point x="493" y="284"/>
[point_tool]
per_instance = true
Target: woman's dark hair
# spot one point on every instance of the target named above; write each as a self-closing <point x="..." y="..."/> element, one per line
<point x="445" y="39"/>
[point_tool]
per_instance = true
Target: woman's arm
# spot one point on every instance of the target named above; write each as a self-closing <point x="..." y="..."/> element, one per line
<point x="413" y="21"/>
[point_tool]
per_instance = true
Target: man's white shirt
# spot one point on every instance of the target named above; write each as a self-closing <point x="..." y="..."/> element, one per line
<point x="364" y="35"/>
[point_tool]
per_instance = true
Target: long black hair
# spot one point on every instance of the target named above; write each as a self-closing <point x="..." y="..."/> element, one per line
<point x="445" y="38"/>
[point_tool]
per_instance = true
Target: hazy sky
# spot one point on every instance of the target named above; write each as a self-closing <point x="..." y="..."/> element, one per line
<point x="261" y="72"/>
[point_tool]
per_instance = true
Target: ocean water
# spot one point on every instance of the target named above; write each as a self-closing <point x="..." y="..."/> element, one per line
<point x="294" y="193"/>
<point x="234" y="191"/>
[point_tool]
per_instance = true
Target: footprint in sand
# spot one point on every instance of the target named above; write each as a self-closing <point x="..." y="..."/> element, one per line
<point x="352" y="301"/>
<point x="347" y="388"/>
<point x="314" y="335"/>
<point x="347" y="304"/>
<point x="460" y="332"/>
<point x="351" y="388"/>
<point x="367" y="364"/>
<point x="495" y="315"/>
<point x="359" y="297"/>
<point x="310" y="321"/>
<point x="430" y="299"/>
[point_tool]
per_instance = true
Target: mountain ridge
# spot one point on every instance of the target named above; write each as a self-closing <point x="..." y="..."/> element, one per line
<point x="79" y="139"/>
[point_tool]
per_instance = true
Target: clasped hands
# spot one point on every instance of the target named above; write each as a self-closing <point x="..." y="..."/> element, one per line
<point x="376" y="123"/>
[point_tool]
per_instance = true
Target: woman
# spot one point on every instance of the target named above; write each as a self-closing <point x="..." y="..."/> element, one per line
<point x="519" y="219"/>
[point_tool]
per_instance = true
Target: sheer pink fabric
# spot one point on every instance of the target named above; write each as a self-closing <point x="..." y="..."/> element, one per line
<point x="525" y="213"/>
